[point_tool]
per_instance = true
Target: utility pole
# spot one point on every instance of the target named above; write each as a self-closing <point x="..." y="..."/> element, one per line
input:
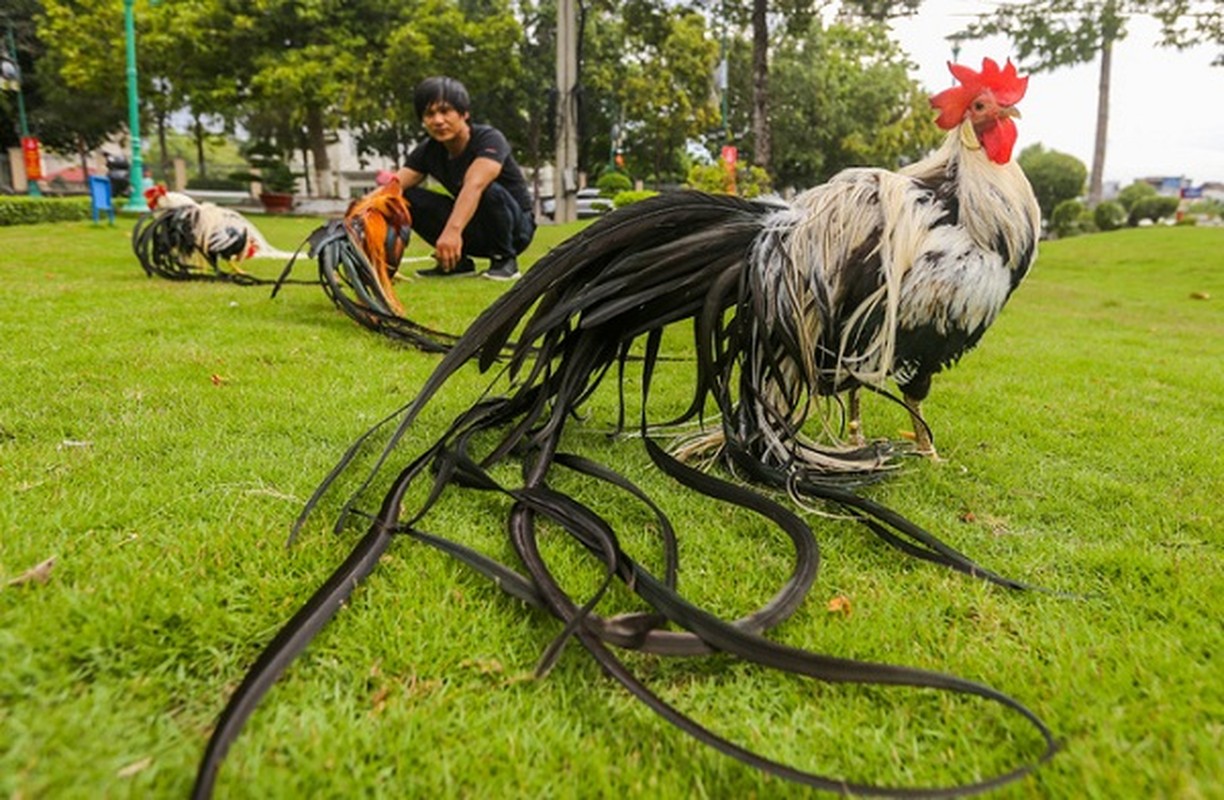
<point x="136" y="202"/>
<point x="565" y="178"/>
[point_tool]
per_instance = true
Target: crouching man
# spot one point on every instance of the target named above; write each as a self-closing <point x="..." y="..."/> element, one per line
<point x="488" y="213"/>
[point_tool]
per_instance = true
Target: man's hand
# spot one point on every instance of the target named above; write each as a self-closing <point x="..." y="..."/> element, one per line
<point x="449" y="248"/>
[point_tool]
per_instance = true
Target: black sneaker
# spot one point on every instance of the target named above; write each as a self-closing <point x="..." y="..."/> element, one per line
<point x="503" y="269"/>
<point x="466" y="266"/>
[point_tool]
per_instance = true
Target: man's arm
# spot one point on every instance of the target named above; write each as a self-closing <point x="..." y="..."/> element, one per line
<point x="409" y="177"/>
<point x="449" y="247"/>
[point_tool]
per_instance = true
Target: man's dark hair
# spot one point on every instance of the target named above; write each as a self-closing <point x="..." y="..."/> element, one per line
<point x="440" y="88"/>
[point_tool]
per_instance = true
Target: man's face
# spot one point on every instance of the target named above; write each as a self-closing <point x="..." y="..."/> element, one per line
<point x="443" y="121"/>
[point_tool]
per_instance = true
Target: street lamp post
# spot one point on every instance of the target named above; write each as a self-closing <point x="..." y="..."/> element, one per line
<point x="32" y="186"/>
<point x="136" y="198"/>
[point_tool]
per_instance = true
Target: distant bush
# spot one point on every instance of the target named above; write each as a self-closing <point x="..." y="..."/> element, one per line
<point x="611" y="184"/>
<point x="209" y="183"/>
<point x="1109" y="216"/>
<point x="633" y="196"/>
<point x="26" y="210"/>
<point x="1054" y="176"/>
<point x="1071" y="218"/>
<point x="750" y="181"/>
<point x="1154" y="207"/>
<point x="1134" y="193"/>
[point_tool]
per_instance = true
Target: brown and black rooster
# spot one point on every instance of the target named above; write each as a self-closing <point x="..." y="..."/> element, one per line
<point x="873" y="276"/>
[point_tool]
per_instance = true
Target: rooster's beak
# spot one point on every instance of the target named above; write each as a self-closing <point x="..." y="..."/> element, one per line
<point x="1009" y="111"/>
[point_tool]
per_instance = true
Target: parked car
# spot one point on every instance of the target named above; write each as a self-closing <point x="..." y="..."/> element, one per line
<point x="590" y="204"/>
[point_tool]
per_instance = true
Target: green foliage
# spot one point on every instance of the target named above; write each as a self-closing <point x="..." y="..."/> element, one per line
<point x="842" y="97"/>
<point x="26" y="210"/>
<point x="612" y="183"/>
<point x="632" y="196"/>
<point x="158" y="439"/>
<point x="1109" y="216"/>
<point x="1071" y="218"/>
<point x="750" y="181"/>
<point x="659" y="99"/>
<point x="1055" y="176"/>
<point x="1049" y="34"/>
<point x="220" y="184"/>
<point x="1155" y="208"/>
<point x="1139" y="190"/>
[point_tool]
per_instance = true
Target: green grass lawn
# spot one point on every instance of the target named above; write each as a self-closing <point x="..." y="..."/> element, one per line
<point x="157" y="439"/>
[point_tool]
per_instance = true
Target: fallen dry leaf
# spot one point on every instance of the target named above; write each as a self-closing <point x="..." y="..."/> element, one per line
<point x="134" y="767"/>
<point x="40" y="573"/>
<point x="216" y="379"/>
<point x="968" y="516"/>
<point x="379" y="700"/>
<point x="840" y="605"/>
<point x="1200" y="296"/>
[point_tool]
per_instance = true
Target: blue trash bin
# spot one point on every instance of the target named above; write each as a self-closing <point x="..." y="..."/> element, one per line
<point x="100" y="197"/>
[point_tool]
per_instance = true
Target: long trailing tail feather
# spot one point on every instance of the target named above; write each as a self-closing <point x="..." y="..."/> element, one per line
<point x="710" y="259"/>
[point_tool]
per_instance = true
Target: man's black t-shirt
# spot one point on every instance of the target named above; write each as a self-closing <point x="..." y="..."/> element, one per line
<point x="431" y="158"/>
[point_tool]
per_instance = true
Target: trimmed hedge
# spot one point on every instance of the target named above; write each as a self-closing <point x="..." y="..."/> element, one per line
<point x="625" y="198"/>
<point x="26" y="210"/>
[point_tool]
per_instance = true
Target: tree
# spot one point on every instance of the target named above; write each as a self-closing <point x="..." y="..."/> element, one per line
<point x="477" y="43"/>
<point x="843" y="98"/>
<point x="652" y="68"/>
<point x="1049" y="34"/>
<point x="791" y="18"/>
<point x="1055" y="176"/>
<point x="81" y="98"/>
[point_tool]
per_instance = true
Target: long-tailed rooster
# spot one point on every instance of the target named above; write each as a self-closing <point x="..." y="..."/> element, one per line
<point x="182" y="235"/>
<point x="359" y="257"/>
<point x="874" y="275"/>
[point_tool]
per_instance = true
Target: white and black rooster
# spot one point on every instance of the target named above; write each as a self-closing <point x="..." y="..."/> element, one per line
<point x="181" y="236"/>
<point x="874" y="276"/>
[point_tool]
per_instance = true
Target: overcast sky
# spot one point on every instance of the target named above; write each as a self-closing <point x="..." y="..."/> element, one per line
<point x="1166" y="106"/>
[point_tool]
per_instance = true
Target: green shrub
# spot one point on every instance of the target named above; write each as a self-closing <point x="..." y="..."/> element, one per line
<point x="1132" y="194"/>
<point x="1109" y="216"/>
<point x="1154" y="207"/>
<point x="210" y="183"/>
<point x="611" y="184"/>
<point x="26" y="210"/>
<point x="632" y="196"/>
<point x="1055" y="176"/>
<point x="1071" y="218"/>
<point x="750" y="181"/>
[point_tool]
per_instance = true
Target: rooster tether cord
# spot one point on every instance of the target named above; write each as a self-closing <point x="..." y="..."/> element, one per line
<point x="534" y="416"/>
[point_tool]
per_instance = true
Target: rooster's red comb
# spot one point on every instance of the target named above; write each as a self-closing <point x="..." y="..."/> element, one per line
<point x="1007" y="87"/>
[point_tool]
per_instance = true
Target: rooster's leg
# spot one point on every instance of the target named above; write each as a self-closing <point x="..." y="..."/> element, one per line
<point x="854" y="423"/>
<point x="922" y="434"/>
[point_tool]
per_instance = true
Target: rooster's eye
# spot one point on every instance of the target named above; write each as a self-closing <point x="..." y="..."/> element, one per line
<point x="979" y="106"/>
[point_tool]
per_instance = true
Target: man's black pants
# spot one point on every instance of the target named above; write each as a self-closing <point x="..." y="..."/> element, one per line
<point x="498" y="229"/>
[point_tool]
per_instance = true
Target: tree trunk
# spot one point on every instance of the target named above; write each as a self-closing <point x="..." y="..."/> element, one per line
<point x="1102" y="124"/>
<point x="306" y="170"/>
<point x="316" y="140"/>
<point x="761" y="133"/>
<point x="83" y="154"/>
<point x="161" y="144"/>
<point x="199" y="143"/>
